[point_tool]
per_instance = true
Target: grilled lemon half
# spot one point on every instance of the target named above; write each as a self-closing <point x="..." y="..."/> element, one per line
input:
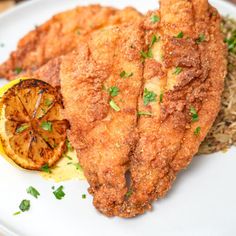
<point x="32" y="130"/>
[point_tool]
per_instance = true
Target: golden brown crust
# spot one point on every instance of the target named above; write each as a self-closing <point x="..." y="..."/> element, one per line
<point x="167" y="141"/>
<point x="102" y="136"/>
<point x="61" y="34"/>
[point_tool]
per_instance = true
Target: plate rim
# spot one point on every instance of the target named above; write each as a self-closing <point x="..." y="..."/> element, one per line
<point x="3" y="228"/>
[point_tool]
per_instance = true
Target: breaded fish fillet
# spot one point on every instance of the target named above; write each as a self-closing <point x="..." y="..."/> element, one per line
<point x="140" y="98"/>
<point x="61" y="34"/>
<point x="100" y="85"/>
<point x="186" y="77"/>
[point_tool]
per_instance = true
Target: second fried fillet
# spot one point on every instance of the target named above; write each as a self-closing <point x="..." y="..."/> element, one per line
<point x="60" y="35"/>
<point x="100" y="84"/>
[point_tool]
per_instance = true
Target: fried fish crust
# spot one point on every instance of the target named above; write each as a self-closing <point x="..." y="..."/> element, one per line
<point x="103" y="121"/>
<point x="60" y="35"/>
<point x="187" y="74"/>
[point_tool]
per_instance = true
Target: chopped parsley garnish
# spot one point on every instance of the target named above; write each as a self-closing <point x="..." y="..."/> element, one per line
<point x="154" y="40"/>
<point x="48" y="102"/>
<point x="200" y="39"/>
<point x="53" y="187"/>
<point x="177" y="71"/>
<point x="148" y="97"/>
<point x="114" y="106"/>
<point x="194" y="114"/>
<point x="24" y="205"/>
<point x="46" y="125"/>
<point x="231" y="43"/>
<point x="155" y="19"/>
<point x="46" y="168"/>
<point x="83" y="196"/>
<point x="78" y="166"/>
<point x="18" y="70"/>
<point x="113" y="91"/>
<point x="144" y="113"/>
<point x="180" y="35"/>
<point x="129" y="193"/>
<point x="78" y="32"/>
<point x="32" y="191"/>
<point x="68" y="145"/>
<point x="161" y="97"/>
<point x="68" y="157"/>
<point x="125" y="74"/>
<point x="58" y="193"/>
<point x="22" y="128"/>
<point x="197" y="131"/>
<point x="147" y="54"/>
<point x="17" y="213"/>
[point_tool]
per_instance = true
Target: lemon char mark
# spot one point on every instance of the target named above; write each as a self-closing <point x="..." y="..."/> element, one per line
<point x="32" y="130"/>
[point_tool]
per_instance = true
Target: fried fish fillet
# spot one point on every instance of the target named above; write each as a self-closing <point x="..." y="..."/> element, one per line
<point x="186" y="74"/>
<point x="100" y="85"/>
<point x="61" y="34"/>
<point x="144" y="115"/>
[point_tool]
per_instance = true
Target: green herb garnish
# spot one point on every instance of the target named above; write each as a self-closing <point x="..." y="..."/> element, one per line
<point x="17" y="213"/>
<point x="129" y="193"/>
<point x="197" y="131"/>
<point x="144" y="113"/>
<point x="154" y="40"/>
<point x="113" y="91"/>
<point x="24" y="205"/>
<point x="194" y="114"/>
<point x="83" y="196"/>
<point x="114" y="106"/>
<point x="46" y="168"/>
<point x="180" y="35"/>
<point x="200" y="39"/>
<point x="147" y="54"/>
<point x="177" y="71"/>
<point x="231" y="43"/>
<point x="155" y="19"/>
<point x="148" y="97"/>
<point x="48" y="102"/>
<point x="34" y="192"/>
<point x="125" y="74"/>
<point x="22" y="128"/>
<point x="18" y="70"/>
<point x="78" y="166"/>
<point x="68" y="145"/>
<point x="46" y="125"/>
<point x="58" y="193"/>
<point x="68" y="157"/>
<point x="161" y="97"/>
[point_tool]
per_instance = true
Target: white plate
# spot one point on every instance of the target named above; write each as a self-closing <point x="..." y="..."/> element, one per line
<point x="201" y="202"/>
